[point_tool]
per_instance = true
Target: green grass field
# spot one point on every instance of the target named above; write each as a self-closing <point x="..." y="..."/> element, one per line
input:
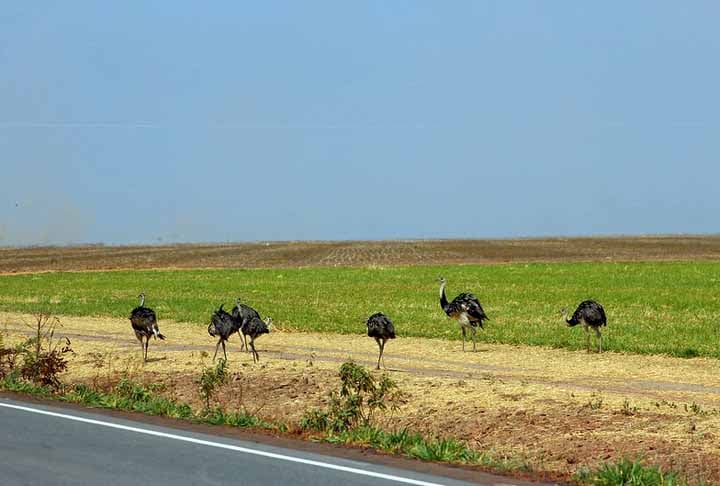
<point x="653" y="308"/>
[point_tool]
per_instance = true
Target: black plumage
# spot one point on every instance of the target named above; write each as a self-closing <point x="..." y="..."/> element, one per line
<point x="144" y="323"/>
<point x="590" y="315"/>
<point x="380" y="327"/>
<point x="254" y="328"/>
<point x="222" y="325"/>
<point x="242" y="313"/>
<point x="466" y="309"/>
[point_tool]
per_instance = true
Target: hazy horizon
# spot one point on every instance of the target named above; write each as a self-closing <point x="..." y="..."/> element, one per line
<point x="260" y="242"/>
<point x="174" y="122"/>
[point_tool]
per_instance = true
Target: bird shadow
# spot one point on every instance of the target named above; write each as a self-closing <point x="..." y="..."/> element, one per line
<point x="394" y="370"/>
<point x="153" y="360"/>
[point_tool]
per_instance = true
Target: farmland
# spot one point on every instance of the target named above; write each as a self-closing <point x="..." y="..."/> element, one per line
<point x="654" y="394"/>
<point x="293" y="254"/>
<point x="653" y="308"/>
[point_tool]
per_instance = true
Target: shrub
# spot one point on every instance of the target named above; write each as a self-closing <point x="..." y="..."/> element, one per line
<point x="9" y="358"/>
<point x="359" y="398"/>
<point x="43" y="357"/>
<point x="211" y="379"/>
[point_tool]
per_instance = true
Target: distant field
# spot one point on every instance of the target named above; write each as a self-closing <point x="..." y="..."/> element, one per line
<point x="664" y="308"/>
<point x="361" y="253"/>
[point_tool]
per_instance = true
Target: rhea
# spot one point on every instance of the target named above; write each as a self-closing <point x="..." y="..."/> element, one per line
<point x="242" y="313"/>
<point x="466" y="309"/>
<point x="144" y="323"/>
<point x="591" y="315"/>
<point x="380" y="327"/>
<point x="222" y="325"/>
<point x="254" y="328"/>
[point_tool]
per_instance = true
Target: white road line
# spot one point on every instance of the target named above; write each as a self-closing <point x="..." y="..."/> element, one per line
<point x="220" y="445"/>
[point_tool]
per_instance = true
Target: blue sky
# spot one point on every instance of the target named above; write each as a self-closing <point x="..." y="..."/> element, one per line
<point x="142" y="122"/>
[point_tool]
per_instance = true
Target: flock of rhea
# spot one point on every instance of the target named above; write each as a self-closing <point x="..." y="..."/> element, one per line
<point x="246" y="321"/>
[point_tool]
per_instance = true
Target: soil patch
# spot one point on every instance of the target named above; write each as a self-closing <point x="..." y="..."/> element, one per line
<point x="291" y="254"/>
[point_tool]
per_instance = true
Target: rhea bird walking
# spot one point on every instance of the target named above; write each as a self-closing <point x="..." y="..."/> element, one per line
<point x="380" y="327"/>
<point x="466" y="309"/>
<point x="242" y="313"/>
<point x="222" y="325"/>
<point x="591" y="315"/>
<point x="254" y="328"/>
<point x="144" y="323"/>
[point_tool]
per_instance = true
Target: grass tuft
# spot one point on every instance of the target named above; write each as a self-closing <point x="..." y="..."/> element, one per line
<point x="628" y="472"/>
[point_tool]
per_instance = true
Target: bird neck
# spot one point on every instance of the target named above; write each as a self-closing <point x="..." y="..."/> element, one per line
<point x="142" y="300"/>
<point x="443" y="299"/>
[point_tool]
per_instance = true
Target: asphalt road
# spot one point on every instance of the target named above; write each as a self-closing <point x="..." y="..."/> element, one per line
<point x="47" y="445"/>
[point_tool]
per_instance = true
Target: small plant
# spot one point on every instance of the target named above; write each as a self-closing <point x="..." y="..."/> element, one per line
<point x="695" y="409"/>
<point x="9" y="358"/>
<point x="211" y="379"/>
<point x="359" y="398"/>
<point x="595" y="403"/>
<point x="443" y="450"/>
<point x="627" y="409"/>
<point x="628" y="473"/>
<point x="43" y="356"/>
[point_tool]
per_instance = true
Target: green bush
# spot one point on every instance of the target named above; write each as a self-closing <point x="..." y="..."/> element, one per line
<point x="211" y="379"/>
<point x="359" y="398"/>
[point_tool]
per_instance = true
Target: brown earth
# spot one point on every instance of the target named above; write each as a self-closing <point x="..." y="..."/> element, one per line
<point x="359" y="253"/>
<point x="543" y="409"/>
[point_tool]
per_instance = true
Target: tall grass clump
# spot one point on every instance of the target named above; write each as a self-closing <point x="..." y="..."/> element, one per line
<point x="627" y="472"/>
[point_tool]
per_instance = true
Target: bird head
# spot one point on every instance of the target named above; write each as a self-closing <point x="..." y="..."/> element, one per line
<point x="564" y="312"/>
<point x="237" y="302"/>
<point x="269" y="322"/>
<point x="442" y="280"/>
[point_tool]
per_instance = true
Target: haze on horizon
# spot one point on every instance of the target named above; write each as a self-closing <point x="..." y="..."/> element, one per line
<point x="140" y="122"/>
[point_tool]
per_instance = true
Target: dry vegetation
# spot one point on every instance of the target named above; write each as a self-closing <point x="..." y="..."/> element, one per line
<point x="360" y="253"/>
<point x="550" y="410"/>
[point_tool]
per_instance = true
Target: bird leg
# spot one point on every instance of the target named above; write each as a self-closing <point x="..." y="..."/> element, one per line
<point x="147" y="342"/>
<point x="587" y="338"/>
<point x="242" y="341"/>
<point x="382" y="350"/>
<point x="472" y="332"/>
<point x="256" y="356"/>
<point x="217" y="346"/>
<point x="599" y="336"/>
<point x="223" y="345"/>
<point x="377" y="340"/>
<point x="462" y="328"/>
